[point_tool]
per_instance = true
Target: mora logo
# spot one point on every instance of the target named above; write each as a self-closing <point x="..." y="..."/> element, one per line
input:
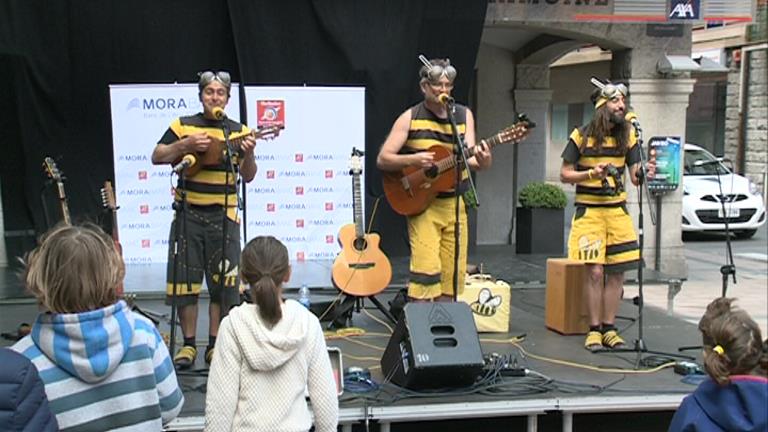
<point x="161" y="104"/>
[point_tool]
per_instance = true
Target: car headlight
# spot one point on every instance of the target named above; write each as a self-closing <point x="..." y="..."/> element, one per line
<point x="754" y="189"/>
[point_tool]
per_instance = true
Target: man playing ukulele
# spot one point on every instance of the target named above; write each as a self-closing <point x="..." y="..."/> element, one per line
<point x="209" y="193"/>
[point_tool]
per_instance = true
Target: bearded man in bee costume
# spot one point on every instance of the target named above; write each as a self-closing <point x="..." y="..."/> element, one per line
<point x="602" y="234"/>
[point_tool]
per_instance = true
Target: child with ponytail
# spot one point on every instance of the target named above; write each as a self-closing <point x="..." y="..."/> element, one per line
<point x="267" y="354"/>
<point x="735" y="396"/>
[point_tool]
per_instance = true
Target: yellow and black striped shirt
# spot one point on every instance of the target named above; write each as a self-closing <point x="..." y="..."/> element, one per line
<point x="591" y="192"/>
<point x="209" y="185"/>
<point x="427" y="130"/>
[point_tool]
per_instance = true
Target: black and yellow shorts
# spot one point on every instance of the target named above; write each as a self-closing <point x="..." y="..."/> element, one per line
<point x="200" y="256"/>
<point x="604" y="235"/>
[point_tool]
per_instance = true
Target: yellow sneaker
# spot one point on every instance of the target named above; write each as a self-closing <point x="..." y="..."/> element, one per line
<point x="594" y="341"/>
<point x="611" y="339"/>
<point x="209" y="355"/>
<point x="185" y="357"/>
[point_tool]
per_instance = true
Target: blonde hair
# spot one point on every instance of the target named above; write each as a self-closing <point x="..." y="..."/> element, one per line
<point x="74" y="269"/>
<point x="264" y="265"/>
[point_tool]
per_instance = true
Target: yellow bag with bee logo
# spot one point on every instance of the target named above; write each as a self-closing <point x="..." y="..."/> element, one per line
<point x="490" y="302"/>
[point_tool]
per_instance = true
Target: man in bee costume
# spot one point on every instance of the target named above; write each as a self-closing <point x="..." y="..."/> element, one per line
<point x="210" y="192"/>
<point x="431" y="232"/>
<point x="602" y="234"/>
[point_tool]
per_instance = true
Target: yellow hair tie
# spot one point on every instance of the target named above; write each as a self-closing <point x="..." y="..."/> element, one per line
<point x="718" y="349"/>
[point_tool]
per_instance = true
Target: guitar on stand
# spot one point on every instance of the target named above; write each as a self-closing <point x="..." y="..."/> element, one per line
<point x="56" y="176"/>
<point x="217" y="151"/>
<point x="411" y="190"/>
<point x="110" y="204"/>
<point x="360" y="270"/>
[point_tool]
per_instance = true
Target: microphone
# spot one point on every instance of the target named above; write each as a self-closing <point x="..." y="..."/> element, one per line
<point x="219" y="113"/>
<point x="445" y="99"/>
<point x="186" y="162"/>
<point x="631" y="117"/>
<point x="715" y="161"/>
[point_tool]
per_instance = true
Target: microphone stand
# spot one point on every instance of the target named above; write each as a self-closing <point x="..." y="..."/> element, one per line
<point x="460" y="163"/>
<point x="225" y="298"/>
<point x="639" y="345"/>
<point x="180" y="234"/>
<point x="729" y="269"/>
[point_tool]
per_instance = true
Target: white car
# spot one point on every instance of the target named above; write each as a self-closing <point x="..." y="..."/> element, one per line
<point x="702" y="206"/>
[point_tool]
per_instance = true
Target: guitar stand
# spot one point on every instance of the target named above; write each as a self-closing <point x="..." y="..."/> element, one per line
<point x="342" y="314"/>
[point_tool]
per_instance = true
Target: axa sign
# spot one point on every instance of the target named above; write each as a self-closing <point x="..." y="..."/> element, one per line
<point x="684" y="9"/>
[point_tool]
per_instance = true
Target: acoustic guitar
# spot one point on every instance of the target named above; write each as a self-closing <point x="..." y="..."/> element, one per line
<point x="361" y="268"/>
<point x="57" y="176"/>
<point x="217" y="151"/>
<point x="110" y="204"/>
<point x="410" y="190"/>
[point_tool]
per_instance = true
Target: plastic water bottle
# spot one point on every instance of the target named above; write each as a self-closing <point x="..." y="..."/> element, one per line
<point x="304" y="295"/>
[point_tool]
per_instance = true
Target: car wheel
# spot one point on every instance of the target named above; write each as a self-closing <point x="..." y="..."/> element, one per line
<point x="745" y="234"/>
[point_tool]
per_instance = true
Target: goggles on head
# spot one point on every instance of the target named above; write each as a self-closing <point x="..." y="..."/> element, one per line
<point x="608" y="91"/>
<point x="433" y="70"/>
<point x="208" y="77"/>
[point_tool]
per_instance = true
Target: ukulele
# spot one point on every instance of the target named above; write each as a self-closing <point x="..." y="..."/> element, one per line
<point x="361" y="268"/>
<point x="109" y="203"/>
<point x="411" y="190"/>
<point x="217" y="151"/>
<point x="56" y="175"/>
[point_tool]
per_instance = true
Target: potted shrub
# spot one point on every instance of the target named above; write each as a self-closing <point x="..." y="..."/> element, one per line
<point x="540" y="219"/>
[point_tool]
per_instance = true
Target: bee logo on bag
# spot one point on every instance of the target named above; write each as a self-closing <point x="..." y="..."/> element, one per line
<point x="486" y="303"/>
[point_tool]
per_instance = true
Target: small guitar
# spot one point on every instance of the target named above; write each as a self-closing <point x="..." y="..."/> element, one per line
<point x="109" y="203"/>
<point x="361" y="268"/>
<point x="217" y="151"/>
<point x="56" y="175"/>
<point x="410" y="191"/>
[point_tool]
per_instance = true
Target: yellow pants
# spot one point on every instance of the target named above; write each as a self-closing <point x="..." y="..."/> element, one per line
<point x="431" y="236"/>
<point x="604" y="235"/>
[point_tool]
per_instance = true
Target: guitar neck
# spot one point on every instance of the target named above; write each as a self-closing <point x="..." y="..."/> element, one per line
<point x="63" y="203"/>
<point x="357" y="204"/>
<point x="489" y="142"/>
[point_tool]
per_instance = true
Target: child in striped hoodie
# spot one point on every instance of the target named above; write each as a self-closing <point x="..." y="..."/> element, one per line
<point x="104" y="367"/>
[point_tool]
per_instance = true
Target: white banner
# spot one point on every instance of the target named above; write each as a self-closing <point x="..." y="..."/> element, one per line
<point x="302" y="193"/>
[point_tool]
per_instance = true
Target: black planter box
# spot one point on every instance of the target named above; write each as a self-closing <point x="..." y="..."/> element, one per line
<point x="540" y="231"/>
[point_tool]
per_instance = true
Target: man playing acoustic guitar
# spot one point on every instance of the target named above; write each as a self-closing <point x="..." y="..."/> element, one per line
<point x="209" y="191"/>
<point x="431" y="232"/>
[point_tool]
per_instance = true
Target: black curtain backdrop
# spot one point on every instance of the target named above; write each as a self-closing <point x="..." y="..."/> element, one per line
<point x="57" y="60"/>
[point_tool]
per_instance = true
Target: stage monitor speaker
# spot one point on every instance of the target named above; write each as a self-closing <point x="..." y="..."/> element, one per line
<point x="434" y="345"/>
<point x="566" y="310"/>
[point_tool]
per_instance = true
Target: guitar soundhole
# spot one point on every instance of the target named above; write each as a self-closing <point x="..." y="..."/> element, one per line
<point x="431" y="172"/>
<point x="360" y="244"/>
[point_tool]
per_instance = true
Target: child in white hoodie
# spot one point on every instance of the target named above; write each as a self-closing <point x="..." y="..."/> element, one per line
<point x="267" y="354"/>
